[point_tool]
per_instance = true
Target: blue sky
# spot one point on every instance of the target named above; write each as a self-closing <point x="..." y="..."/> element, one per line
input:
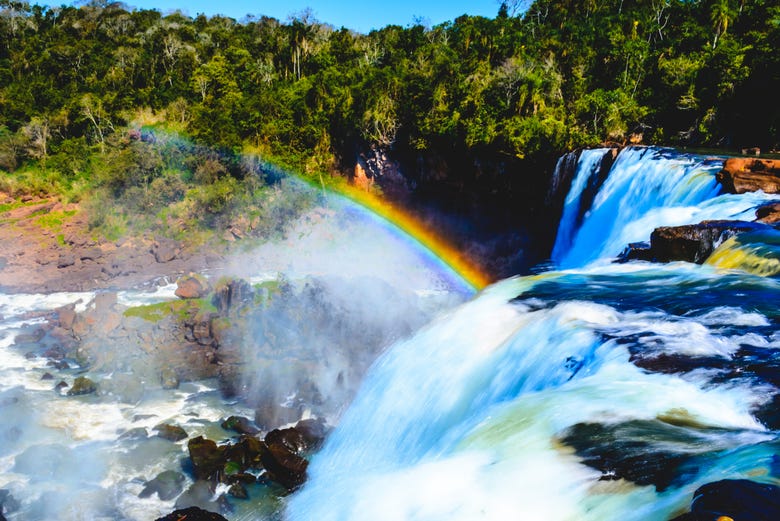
<point x="355" y="14"/>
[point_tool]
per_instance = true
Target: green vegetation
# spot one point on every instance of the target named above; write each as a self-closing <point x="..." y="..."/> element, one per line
<point x="179" y="309"/>
<point x="95" y="100"/>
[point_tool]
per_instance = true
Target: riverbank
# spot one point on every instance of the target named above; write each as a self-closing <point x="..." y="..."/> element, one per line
<point x="49" y="247"/>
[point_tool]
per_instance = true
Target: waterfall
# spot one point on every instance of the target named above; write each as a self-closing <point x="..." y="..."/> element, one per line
<point x="646" y="187"/>
<point x="588" y="170"/>
<point x="603" y="391"/>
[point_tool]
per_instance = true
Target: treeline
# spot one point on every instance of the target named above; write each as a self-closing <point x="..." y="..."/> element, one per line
<point x="544" y="77"/>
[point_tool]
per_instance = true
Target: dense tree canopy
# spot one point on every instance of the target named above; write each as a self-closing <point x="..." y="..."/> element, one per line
<point x="538" y="78"/>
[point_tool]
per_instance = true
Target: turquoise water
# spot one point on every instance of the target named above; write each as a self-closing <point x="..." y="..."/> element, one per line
<point x="600" y="391"/>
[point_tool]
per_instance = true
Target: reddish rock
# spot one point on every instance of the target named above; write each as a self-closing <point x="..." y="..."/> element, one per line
<point x="192" y="286"/>
<point x="741" y="174"/>
<point x="769" y="213"/>
<point x="67" y="314"/>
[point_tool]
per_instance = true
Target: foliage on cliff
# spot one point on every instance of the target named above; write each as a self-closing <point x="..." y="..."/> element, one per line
<point x="543" y="77"/>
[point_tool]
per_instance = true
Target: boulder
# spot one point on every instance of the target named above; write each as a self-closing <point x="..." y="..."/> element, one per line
<point x="165" y="250"/>
<point x="693" y="242"/>
<point x="313" y="432"/>
<point x="207" y="458"/>
<point x="192" y="286"/>
<point x="82" y="385"/>
<point x="768" y="213"/>
<point x="240" y="425"/>
<point x="238" y="491"/>
<point x="741" y="174"/>
<point x="167" y="485"/>
<point x="735" y="499"/>
<point x="192" y="514"/>
<point x="170" y="432"/>
<point x="282" y="460"/>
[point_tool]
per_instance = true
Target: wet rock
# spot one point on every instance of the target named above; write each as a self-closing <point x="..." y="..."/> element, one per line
<point x="192" y="286"/>
<point x="167" y="485"/>
<point x="207" y="458"/>
<point x="638" y="451"/>
<point x="769" y="413"/>
<point x="238" y="491"/>
<point x="740" y="175"/>
<point x="736" y="499"/>
<point x="201" y="495"/>
<point x="241" y="477"/>
<point x="8" y="503"/>
<point x="282" y="460"/>
<point x="47" y="376"/>
<point x="245" y="454"/>
<point x="695" y="242"/>
<point x="137" y="433"/>
<point x="192" y="514"/>
<point x="170" y="432"/>
<point x="81" y="386"/>
<point x="30" y="338"/>
<point x="313" y="432"/>
<point x="769" y="213"/>
<point x="61" y="386"/>
<point x="240" y="425"/>
<point x="169" y="379"/>
<point x="231" y="294"/>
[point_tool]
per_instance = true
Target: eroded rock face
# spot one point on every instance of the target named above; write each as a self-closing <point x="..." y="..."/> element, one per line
<point x="740" y="175"/>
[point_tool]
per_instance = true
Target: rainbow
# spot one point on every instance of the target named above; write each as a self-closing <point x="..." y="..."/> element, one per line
<point x="447" y="255"/>
<point x="441" y="251"/>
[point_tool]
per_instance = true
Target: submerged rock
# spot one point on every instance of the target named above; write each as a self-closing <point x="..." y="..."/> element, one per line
<point x="167" y="485"/>
<point x="736" y="499"/>
<point x="192" y="514"/>
<point x="640" y="451"/>
<point x="82" y="385"/>
<point x="170" y="432"/>
<point x="740" y="175"/>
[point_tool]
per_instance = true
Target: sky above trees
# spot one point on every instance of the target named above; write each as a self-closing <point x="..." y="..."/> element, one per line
<point x="359" y="15"/>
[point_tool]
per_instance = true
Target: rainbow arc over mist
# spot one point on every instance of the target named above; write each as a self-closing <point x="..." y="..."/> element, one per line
<point x="423" y="237"/>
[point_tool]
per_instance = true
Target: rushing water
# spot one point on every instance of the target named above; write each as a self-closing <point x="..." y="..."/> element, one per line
<point x="86" y="458"/>
<point x="603" y="391"/>
<point x="600" y="391"/>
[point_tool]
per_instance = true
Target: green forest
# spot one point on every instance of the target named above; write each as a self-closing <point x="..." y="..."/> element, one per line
<point x="81" y="86"/>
